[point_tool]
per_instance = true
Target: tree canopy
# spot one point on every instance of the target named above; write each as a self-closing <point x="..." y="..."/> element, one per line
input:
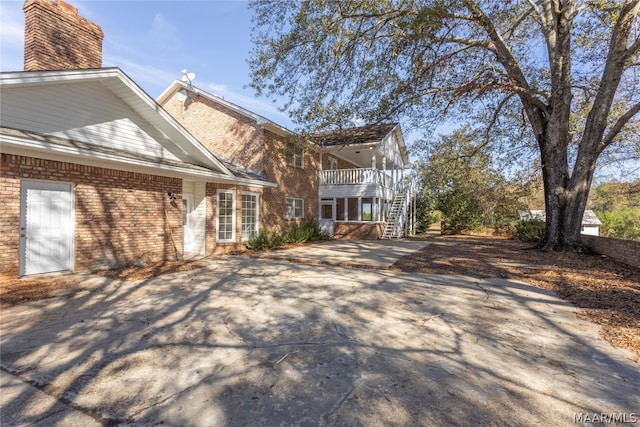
<point x="560" y="77"/>
<point x="460" y="181"/>
<point x="617" y="205"/>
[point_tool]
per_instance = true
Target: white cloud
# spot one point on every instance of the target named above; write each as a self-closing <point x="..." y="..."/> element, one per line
<point x="161" y="25"/>
<point x="152" y="79"/>
<point x="164" y="33"/>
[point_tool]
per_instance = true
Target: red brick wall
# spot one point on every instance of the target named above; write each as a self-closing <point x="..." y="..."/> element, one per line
<point x="120" y="217"/>
<point x="301" y="183"/>
<point x="57" y="38"/>
<point x="9" y="221"/>
<point x="358" y="230"/>
<point x="342" y="164"/>
<point x="237" y="137"/>
<point x="220" y="129"/>
<point x="626" y="251"/>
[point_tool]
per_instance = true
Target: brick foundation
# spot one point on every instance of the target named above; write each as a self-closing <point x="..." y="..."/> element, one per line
<point x="120" y="217"/>
<point x="358" y="230"/>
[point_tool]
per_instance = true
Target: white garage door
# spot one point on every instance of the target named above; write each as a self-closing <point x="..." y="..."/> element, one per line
<point x="46" y="227"/>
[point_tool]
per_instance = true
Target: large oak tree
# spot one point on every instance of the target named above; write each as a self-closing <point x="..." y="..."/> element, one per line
<point x="569" y="69"/>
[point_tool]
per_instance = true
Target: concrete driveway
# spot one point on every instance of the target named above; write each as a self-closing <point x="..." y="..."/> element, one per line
<point x="265" y="342"/>
<point x="379" y="254"/>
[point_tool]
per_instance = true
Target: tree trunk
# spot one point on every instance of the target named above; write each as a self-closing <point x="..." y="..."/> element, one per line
<point x="565" y="198"/>
<point x="555" y="181"/>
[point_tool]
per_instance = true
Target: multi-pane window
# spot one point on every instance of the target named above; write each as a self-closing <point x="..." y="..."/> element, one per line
<point x="352" y="209"/>
<point x="366" y="210"/>
<point x="340" y="209"/>
<point x="296" y="156"/>
<point x="295" y="208"/>
<point x="249" y="215"/>
<point x="226" y="216"/>
<point x="333" y="163"/>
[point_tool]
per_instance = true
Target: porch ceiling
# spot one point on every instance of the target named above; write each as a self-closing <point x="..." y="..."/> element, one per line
<point x="358" y="155"/>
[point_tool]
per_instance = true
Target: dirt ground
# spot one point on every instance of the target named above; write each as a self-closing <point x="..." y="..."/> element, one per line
<point x="606" y="292"/>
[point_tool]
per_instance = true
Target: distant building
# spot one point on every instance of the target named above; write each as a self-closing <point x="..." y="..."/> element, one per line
<point x="590" y="222"/>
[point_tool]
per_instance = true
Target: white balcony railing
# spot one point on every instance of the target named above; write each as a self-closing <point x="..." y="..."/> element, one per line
<point x="355" y="176"/>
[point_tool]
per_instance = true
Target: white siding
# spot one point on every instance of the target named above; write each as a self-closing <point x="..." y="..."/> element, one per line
<point x="354" y="190"/>
<point x="86" y="112"/>
<point x="391" y="150"/>
<point x="591" y="230"/>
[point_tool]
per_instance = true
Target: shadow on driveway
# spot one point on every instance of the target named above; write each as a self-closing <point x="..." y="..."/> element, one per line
<point x="264" y="342"/>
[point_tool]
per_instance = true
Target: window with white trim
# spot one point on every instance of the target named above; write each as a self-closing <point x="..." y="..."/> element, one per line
<point x="333" y="163"/>
<point x="296" y="156"/>
<point x="249" y="224"/>
<point x="366" y="209"/>
<point x="226" y="216"/>
<point x="295" y="207"/>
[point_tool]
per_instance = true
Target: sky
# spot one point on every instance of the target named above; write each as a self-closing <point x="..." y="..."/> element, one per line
<point x="153" y="41"/>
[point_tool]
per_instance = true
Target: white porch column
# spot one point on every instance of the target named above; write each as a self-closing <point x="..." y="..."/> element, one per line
<point x="375" y="214"/>
<point x="359" y="208"/>
<point x="345" y="209"/>
<point x="384" y="170"/>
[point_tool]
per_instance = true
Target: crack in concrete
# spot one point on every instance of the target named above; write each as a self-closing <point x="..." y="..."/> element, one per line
<point x="329" y="419"/>
<point x="41" y="419"/>
<point x="488" y="297"/>
<point x="301" y="343"/>
<point x="98" y="417"/>
<point x="234" y="335"/>
<point x="342" y="334"/>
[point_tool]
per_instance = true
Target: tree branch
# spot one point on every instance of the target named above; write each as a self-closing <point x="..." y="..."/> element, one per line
<point x="505" y="57"/>
<point x="617" y="127"/>
<point x="632" y="53"/>
<point x="496" y="113"/>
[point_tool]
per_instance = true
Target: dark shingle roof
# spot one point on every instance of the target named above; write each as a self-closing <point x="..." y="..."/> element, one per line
<point x="368" y="134"/>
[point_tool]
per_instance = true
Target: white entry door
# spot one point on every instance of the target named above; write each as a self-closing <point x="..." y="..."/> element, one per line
<point x="327" y="216"/>
<point x="46" y="227"/>
<point x="188" y="230"/>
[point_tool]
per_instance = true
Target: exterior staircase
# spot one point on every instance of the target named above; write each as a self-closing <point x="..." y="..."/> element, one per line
<point x="396" y="218"/>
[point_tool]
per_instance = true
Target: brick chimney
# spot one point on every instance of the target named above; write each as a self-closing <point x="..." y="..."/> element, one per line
<point x="57" y="38"/>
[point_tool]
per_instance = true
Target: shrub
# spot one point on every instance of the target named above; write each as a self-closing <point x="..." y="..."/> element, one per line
<point x="305" y="232"/>
<point x="265" y="240"/>
<point x="529" y="230"/>
<point x="298" y="233"/>
<point x="623" y="223"/>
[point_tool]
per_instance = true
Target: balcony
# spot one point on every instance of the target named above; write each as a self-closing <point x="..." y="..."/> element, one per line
<point x="355" y="176"/>
<point x="355" y="183"/>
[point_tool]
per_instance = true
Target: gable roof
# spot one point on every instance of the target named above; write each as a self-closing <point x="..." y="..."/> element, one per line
<point x="588" y="218"/>
<point x="116" y="83"/>
<point x="27" y="143"/>
<point x="115" y="122"/>
<point x="368" y="134"/>
<point x="178" y="85"/>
